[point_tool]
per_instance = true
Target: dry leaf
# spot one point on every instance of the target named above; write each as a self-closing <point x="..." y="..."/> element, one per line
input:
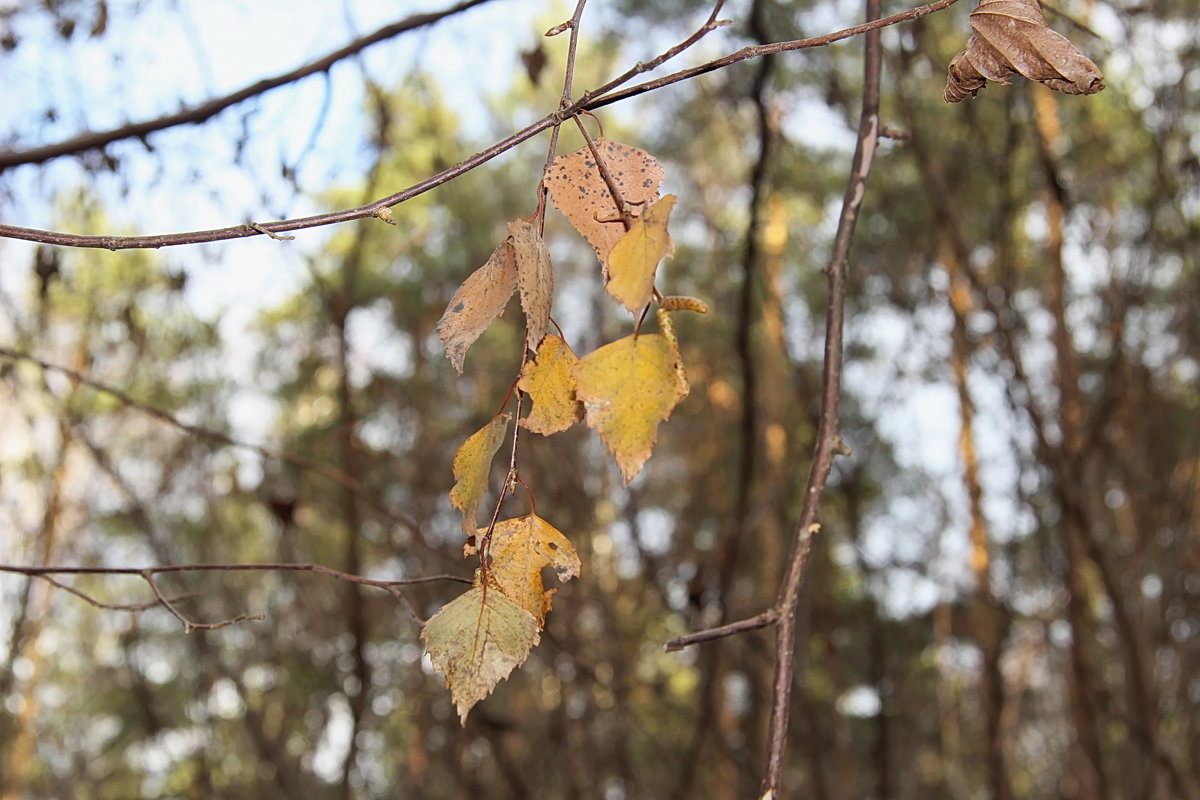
<point x="535" y="276"/>
<point x="534" y="60"/>
<point x="550" y="383"/>
<point x="472" y="463"/>
<point x="476" y="640"/>
<point x="520" y="549"/>
<point x="634" y="259"/>
<point x="1010" y="37"/>
<point x="627" y="388"/>
<point x="481" y="298"/>
<point x="581" y="194"/>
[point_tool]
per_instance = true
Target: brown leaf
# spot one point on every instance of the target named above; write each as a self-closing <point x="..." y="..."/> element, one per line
<point x="481" y="298"/>
<point x="628" y="387"/>
<point x="535" y="276"/>
<point x="472" y="463"/>
<point x="476" y="640"/>
<point x="581" y="194"/>
<point x="1011" y="37"/>
<point x="551" y="385"/>
<point x="534" y="60"/>
<point x="521" y="548"/>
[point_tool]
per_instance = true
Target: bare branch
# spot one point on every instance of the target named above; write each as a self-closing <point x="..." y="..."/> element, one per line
<point x="92" y="601"/>
<point x="210" y="108"/>
<point x="602" y="96"/>
<point x="188" y="624"/>
<point x="829" y="442"/>
<point x="763" y="620"/>
<point x="148" y="574"/>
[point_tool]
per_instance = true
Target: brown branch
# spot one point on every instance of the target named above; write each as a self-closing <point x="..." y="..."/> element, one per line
<point x="763" y="620"/>
<point x="829" y="441"/>
<point x="210" y="108"/>
<point x="92" y="601"/>
<point x="757" y="51"/>
<point x="190" y="625"/>
<point x="589" y="101"/>
<point x="148" y="574"/>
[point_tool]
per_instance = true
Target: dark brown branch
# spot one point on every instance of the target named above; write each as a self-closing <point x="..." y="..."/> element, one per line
<point x="763" y="620"/>
<point x="757" y="51"/>
<point x="603" y="96"/>
<point x="190" y="625"/>
<point x="148" y="574"/>
<point x="829" y="441"/>
<point x="100" y="604"/>
<point x="210" y="108"/>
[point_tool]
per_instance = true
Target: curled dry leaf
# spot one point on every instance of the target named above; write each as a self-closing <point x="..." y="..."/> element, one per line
<point x="1010" y="37"/>
<point x="472" y="463"/>
<point x="579" y="192"/>
<point x="520" y="549"/>
<point x="476" y="640"/>
<point x="634" y="259"/>
<point x="628" y="387"/>
<point x="479" y="300"/>
<point x="550" y="382"/>
<point x="535" y="276"/>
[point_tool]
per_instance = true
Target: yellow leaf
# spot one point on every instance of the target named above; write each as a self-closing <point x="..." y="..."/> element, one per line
<point x="479" y="300"/>
<point x="472" y="463"/>
<point x="634" y="259"/>
<point x="535" y="276"/>
<point x="476" y="640"/>
<point x="580" y="193"/>
<point x="550" y="383"/>
<point x="627" y="388"/>
<point x="520" y="549"/>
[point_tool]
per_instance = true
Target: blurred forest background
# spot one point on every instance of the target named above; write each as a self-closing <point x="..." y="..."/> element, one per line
<point x="1004" y="597"/>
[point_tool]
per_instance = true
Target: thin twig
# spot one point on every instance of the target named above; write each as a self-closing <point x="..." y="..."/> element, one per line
<point x="190" y="625"/>
<point x="92" y="601"/>
<point x="763" y="620"/>
<point x="606" y="176"/>
<point x="605" y="95"/>
<point x="148" y="574"/>
<point x="210" y="108"/>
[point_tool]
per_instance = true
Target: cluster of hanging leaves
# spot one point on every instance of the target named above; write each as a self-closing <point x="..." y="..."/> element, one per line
<point x="478" y="638"/>
<point x="1011" y="37"/>
<point x="623" y="390"/>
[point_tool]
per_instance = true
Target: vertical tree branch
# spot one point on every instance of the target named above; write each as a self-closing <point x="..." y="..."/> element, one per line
<point x="829" y="441"/>
<point x="736" y="530"/>
<point x="987" y="628"/>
